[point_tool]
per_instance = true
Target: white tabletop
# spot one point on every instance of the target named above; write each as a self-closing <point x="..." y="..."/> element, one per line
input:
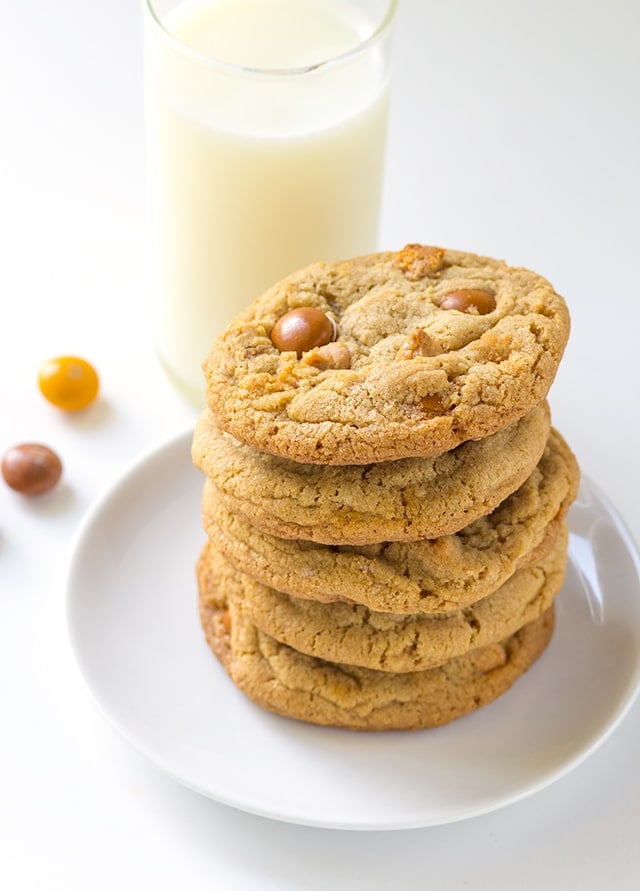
<point x="515" y="132"/>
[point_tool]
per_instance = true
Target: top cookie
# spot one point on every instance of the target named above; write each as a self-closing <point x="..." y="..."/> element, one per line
<point x="393" y="355"/>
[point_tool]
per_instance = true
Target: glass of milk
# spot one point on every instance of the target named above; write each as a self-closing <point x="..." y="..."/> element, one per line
<point x="265" y="126"/>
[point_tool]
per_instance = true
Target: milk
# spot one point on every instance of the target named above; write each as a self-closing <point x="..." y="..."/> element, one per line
<point x="253" y="176"/>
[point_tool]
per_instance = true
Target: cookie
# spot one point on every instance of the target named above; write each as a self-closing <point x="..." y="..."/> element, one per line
<point x="405" y="500"/>
<point x="355" y="635"/>
<point x="426" y="576"/>
<point x="292" y="684"/>
<point x="392" y="355"/>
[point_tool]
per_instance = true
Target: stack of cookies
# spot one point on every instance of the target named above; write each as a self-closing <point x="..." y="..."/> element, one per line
<point x="385" y="499"/>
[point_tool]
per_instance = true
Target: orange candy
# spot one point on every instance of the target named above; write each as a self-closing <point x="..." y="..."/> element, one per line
<point x="68" y="382"/>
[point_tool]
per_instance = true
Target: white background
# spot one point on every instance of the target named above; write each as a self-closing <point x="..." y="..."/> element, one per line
<point x="515" y="132"/>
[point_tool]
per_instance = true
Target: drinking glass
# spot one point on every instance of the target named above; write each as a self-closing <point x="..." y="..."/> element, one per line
<point x="265" y="124"/>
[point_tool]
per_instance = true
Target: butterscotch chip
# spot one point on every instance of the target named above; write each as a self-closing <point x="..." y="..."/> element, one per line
<point x="428" y="576"/>
<point x="225" y="620"/>
<point x="492" y="368"/>
<point x="306" y="688"/>
<point x="429" y="406"/>
<point x="419" y="260"/>
<point x="405" y="500"/>
<point x="332" y="355"/>
<point x="355" y="635"/>
<point x="418" y="343"/>
<point x="491" y="657"/>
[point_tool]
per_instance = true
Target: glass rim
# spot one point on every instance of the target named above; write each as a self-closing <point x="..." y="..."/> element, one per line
<point x="247" y="70"/>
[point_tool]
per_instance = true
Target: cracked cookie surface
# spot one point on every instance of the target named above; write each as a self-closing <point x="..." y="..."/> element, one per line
<point x="425" y="348"/>
<point x="355" y="635"/>
<point x="305" y="688"/>
<point x="426" y="576"/>
<point x="405" y="500"/>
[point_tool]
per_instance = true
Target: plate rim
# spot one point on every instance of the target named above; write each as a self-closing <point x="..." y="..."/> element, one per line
<point x="176" y="441"/>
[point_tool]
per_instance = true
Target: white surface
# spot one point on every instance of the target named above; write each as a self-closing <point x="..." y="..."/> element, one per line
<point x="135" y="632"/>
<point x="516" y="132"/>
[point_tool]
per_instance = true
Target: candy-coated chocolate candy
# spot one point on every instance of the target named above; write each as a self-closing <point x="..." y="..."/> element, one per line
<point x="68" y="382"/>
<point x="31" y="468"/>
<point x="302" y="329"/>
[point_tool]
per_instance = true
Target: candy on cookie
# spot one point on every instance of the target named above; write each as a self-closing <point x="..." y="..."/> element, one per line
<point x="392" y="355"/>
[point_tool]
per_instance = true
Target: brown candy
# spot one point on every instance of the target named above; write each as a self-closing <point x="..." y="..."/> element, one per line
<point x="331" y="355"/>
<point x="302" y="329"/>
<point x="418" y="343"/>
<point x="470" y="300"/>
<point x="31" y="468"/>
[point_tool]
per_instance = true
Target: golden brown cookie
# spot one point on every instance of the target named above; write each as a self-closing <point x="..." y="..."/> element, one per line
<point x="393" y="355"/>
<point x="292" y="684"/>
<point x="427" y="576"/>
<point x="355" y="635"/>
<point x="405" y="500"/>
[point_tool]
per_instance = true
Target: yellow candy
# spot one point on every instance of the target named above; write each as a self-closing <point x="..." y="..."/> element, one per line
<point x="68" y="382"/>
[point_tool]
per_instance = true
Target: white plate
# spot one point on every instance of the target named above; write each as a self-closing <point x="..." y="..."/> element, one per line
<point x="134" y="629"/>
